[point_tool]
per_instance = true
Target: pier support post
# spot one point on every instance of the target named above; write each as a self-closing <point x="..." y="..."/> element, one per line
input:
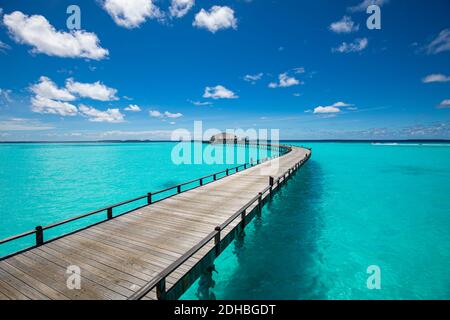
<point x="217" y="241"/>
<point x="271" y="186"/>
<point x="161" y="289"/>
<point x="259" y="204"/>
<point x="243" y="216"/>
<point x="206" y="283"/>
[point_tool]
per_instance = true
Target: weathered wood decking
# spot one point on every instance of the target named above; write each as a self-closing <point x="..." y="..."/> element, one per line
<point x="120" y="256"/>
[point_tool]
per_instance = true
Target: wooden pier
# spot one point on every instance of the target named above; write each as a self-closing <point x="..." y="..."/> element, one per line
<point x="154" y="252"/>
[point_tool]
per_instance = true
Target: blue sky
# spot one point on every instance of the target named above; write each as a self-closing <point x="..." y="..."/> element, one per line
<point x="309" y="68"/>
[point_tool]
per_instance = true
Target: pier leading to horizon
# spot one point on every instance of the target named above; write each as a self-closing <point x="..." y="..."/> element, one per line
<point x="155" y="251"/>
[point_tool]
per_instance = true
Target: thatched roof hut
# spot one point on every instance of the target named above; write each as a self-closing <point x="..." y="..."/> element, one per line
<point x="223" y="137"/>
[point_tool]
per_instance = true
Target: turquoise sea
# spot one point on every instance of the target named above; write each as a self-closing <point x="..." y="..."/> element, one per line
<point x="44" y="183"/>
<point x="351" y="206"/>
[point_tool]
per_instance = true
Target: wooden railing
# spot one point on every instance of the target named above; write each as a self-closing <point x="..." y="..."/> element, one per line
<point x="150" y="196"/>
<point x="159" y="282"/>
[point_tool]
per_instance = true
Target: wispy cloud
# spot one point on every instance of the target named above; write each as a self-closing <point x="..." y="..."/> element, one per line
<point x="362" y="6"/>
<point x="284" y="81"/>
<point x="4" y="47"/>
<point x="163" y="115"/>
<point x="201" y="103"/>
<point x="440" y="44"/>
<point x="444" y="104"/>
<point x="436" y="77"/>
<point x="5" y="96"/>
<point x="253" y="78"/>
<point x="355" y="46"/>
<point x="21" y="124"/>
<point x="345" y="25"/>
<point x="179" y="8"/>
<point x="133" y="108"/>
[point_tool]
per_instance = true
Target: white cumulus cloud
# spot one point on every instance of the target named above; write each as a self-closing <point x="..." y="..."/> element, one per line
<point x="215" y="19"/>
<point x="355" y="46"/>
<point x="284" y="81"/>
<point x="345" y="25"/>
<point x="179" y="8"/>
<point x="37" y="32"/>
<point x="46" y="88"/>
<point x="131" y="13"/>
<point x="219" y="92"/>
<point x="45" y="105"/>
<point x="96" y="90"/>
<point x="95" y="115"/>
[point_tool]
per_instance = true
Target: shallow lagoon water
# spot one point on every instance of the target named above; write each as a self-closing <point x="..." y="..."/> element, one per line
<point x="351" y="206"/>
<point x="43" y="183"/>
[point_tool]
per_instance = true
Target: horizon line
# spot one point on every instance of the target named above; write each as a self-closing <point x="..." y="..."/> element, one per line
<point x="281" y="140"/>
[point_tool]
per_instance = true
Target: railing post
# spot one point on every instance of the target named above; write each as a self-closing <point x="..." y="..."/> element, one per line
<point x="227" y="172"/>
<point x="215" y="177"/>
<point x="201" y="182"/>
<point x="243" y="213"/>
<point x="149" y="198"/>
<point x="39" y="236"/>
<point x="161" y="289"/>
<point x="271" y="186"/>
<point x="178" y="189"/>
<point x="259" y="203"/>
<point x="217" y="241"/>
<point x="109" y="213"/>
